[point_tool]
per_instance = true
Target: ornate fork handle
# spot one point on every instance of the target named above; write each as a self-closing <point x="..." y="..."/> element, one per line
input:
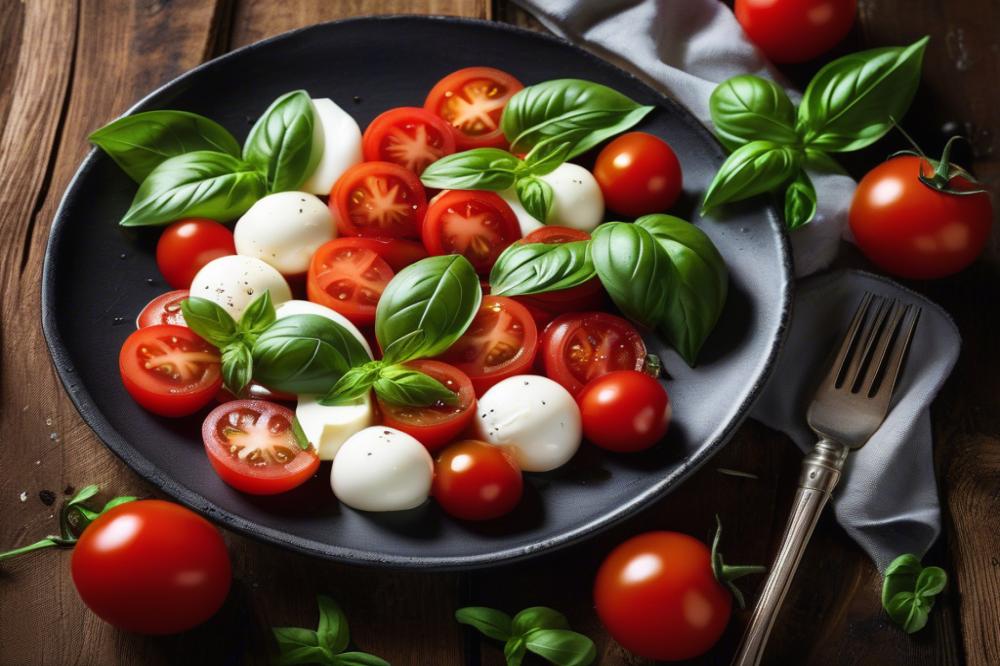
<point x="820" y="474"/>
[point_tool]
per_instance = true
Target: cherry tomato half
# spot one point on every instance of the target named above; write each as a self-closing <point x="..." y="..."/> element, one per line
<point x="790" y="31"/>
<point x="437" y="425"/>
<point x="472" y="101"/>
<point x="151" y="567"/>
<point x="477" y="225"/>
<point x="378" y="199"/>
<point x="624" y="411"/>
<point x="586" y="296"/>
<point x="251" y="446"/>
<point x="476" y="481"/>
<point x="186" y="246"/>
<point x="639" y="174"/>
<point x="580" y="346"/>
<point x="169" y="370"/>
<point x="164" y="309"/>
<point x="347" y="275"/>
<point x="409" y="136"/>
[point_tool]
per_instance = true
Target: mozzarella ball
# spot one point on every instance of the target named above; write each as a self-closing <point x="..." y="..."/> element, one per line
<point x="340" y="137"/>
<point x="382" y="469"/>
<point x="297" y="307"/>
<point x="284" y="229"/>
<point x="329" y="427"/>
<point x="534" y="418"/>
<point x="577" y="201"/>
<point x="524" y="218"/>
<point x="236" y="281"/>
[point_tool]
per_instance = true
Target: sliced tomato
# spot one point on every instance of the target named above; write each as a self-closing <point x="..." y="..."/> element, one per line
<point x="477" y="225"/>
<point x="501" y="342"/>
<point x="378" y="199"/>
<point x="587" y="296"/>
<point x="409" y="136"/>
<point x="348" y="277"/>
<point x="472" y="101"/>
<point x="578" y="347"/>
<point x="169" y="370"/>
<point x="440" y="424"/>
<point x="252" y="447"/>
<point x="257" y="392"/>
<point x="164" y="309"/>
<point x="398" y="253"/>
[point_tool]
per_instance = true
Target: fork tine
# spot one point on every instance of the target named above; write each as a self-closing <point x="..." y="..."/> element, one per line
<point x="897" y="356"/>
<point x="859" y="361"/>
<point x="833" y="377"/>
<point x="882" y="349"/>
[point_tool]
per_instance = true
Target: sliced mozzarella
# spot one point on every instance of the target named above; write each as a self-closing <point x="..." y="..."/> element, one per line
<point x="236" y="281"/>
<point x="524" y="218"/>
<point x="289" y="308"/>
<point x="340" y="137"/>
<point x="284" y="229"/>
<point x="534" y="418"/>
<point x="329" y="427"/>
<point x="577" y="201"/>
<point x="382" y="469"/>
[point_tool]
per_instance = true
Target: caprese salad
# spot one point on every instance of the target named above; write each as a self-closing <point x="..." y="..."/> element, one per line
<point x="436" y="304"/>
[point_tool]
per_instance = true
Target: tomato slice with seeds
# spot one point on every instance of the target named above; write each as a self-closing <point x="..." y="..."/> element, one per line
<point x="477" y="225"/>
<point x="409" y="136"/>
<point x="578" y="347"/>
<point x="583" y="297"/>
<point x="164" y="309"/>
<point x="439" y="424"/>
<point x="378" y="199"/>
<point x="348" y="276"/>
<point x="472" y="101"/>
<point x="169" y="370"/>
<point x="501" y="342"/>
<point x="398" y="253"/>
<point x="252" y="447"/>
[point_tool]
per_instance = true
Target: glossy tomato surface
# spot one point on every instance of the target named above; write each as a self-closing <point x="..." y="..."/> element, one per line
<point x="587" y="296"/>
<point x="472" y="101"/>
<point x="624" y="411"/>
<point x="348" y="275"/>
<point x="186" y="246"/>
<point x="169" y="370"/>
<point x="476" y="481"/>
<point x="164" y="309"/>
<point x="639" y="174"/>
<point x="789" y="31"/>
<point x="911" y="230"/>
<point x="657" y="596"/>
<point x="151" y="567"/>
<point x="378" y="199"/>
<point x="578" y="347"/>
<point x="477" y="225"/>
<point x="409" y="136"/>
<point x="439" y="424"/>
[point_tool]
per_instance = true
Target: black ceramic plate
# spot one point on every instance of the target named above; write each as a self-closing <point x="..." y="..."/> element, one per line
<point x="97" y="277"/>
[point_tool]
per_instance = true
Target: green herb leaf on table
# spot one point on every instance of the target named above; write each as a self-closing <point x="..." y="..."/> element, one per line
<point x="561" y="646"/>
<point x="748" y="108"/>
<point x="358" y="659"/>
<point x="280" y="144"/>
<point x="514" y="650"/>
<point x="405" y="387"/>
<point x="536" y="196"/>
<point x="488" y="621"/>
<point x="140" y="142"/>
<point x="909" y="590"/>
<point x="753" y="168"/>
<point x="820" y="162"/>
<point x="800" y="201"/>
<point x="333" y="630"/>
<point x="477" y="169"/>
<point x="635" y="271"/>
<point x="538" y="629"/>
<point x="538" y="617"/>
<point x="353" y="384"/>
<point x="535" y="268"/>
<point x="324" y="646"/>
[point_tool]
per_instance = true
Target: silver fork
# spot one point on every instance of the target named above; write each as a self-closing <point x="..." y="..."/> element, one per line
<point x="849" y="406"/>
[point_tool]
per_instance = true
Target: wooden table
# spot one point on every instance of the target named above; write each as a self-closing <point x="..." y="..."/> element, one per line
<point x="69" y="66"/>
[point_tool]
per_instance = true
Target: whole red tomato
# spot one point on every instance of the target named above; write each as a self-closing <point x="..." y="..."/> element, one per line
<point x="151" y="567"/>
<point x="790" y="31"/>
<point x="624" y="411"/>
<point x="186" y="246"/>
<point x="638" y="174"/>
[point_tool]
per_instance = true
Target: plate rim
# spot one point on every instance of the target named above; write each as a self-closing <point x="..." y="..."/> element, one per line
<point x="119" y="445"/>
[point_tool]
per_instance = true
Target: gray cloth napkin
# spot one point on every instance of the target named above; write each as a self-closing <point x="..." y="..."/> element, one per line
<point x="887" y="500"/>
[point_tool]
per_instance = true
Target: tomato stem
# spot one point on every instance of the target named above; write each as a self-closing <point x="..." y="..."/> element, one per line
<point x="727" y="573"/>
<point x="944" y="170"/>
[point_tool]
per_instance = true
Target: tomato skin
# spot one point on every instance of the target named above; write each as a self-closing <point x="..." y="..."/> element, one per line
<point x="475" y="481"/>
<point x="436" y="426"/>
<point x="387" y="137"/>
<point x="658" y="598"/>
<point x="493" y="224"/>
<point x="490" y="88"/>
<point x="791" y="31"/>
<point x="913" y="231"/>
<point x="580" y="346"/>
<point x="639" y="174"/>
<point x="164" y="309"/>
<point x="624" y="411"/>
<point x="396" y="252"/>
<point x="356" y="207"/>
<point x="151" y="567"/>
<point x="186" y="246"/>
<point x="348" y="276"/>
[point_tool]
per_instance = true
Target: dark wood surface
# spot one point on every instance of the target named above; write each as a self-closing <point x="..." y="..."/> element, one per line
<point x="69" y="66"/>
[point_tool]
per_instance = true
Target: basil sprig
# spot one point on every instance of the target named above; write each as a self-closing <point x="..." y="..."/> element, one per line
<point x="280" y="144"/>
<point x="748" y="108"/>
<point x="908" y="591"/>
<point x="326" y="644"/>
<point x="637" y="274"/>
<point x="541" y="630"/>
<point x="535" y="268"/>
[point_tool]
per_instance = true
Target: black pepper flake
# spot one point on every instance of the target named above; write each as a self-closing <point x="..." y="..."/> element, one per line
<point x="300" y="211"/>
<point x="69" y="490"/>
<point x="47" y="496"/>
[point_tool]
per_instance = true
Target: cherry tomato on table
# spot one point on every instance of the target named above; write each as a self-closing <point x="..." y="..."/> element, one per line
<point x="151" y="567"/>
<point x="476" y="481"/>
<point x="251" y="446"/>
<point x="477" y="225"/>
<point x="624" y="411"/>
<point x="348" y="275"/>
<point x="378" y="199"/>
<point x="472" y="101"/>
<point x="639" y="174"/>
<point x="409" y="136"/>
<point x="790" y="31"/>
<point x="586" y="296"/>
<point x="169" y="370"/>
<point x="186" y="246"/>
<point x="578" y="347"/>
<point x="164" y="309"/>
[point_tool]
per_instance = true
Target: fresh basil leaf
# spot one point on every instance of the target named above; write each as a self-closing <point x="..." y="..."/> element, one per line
<point x="635" y="271"/>
<point x="819" y="161"/>
<point x="931" y="581"/>
<point x="851" y="102"/>
<point x="536" y="196"/>
<point x="477" y="169"/>
<point x="562" y="647"/>
<point x="301" y="438"/>
<point x="547" y="155"/>
<point x="909" y="611"/>
<point x="140" y="142"/>
<point x="753" y="168"/>
<point x="536" y="268"/>
<point x="299" y="646"/>
<point x="748" y="108"/>
<point x="358" y="659"/>
<point x="514" y="650"/>
<point x="305" y="354"/>
<point x="488" y="621"/>
<point x="580" y="112"/>
<point x="333" y="631"/>
<point x="199" y="184"/>
<point x="900" y="576"/>
<point x="426" y="307"/>
<point x="538" y="617"/>
<point x="353" y="384"/>
<point x="405" y="387"/>
<point x="237" y="367"/>
<point x="210" y="321"/>
<point x="112" y="503"/>
<point x="257" y="317"/>
<point x="280" y="142"/>
<point x="800" y="201"/>
<point x="908" y="591"/>
<point x="83" y="494"/>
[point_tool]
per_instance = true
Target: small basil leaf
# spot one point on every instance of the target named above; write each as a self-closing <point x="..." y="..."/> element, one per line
<point x="800" y="201"/>
<point x="333" y="631"/>
<point x="426" y="307"/>
<point x="562" y="647"/>
<point x="747" y="108"/>
<point x="635" y="271"/>
<point x="83" y="495"/>
<point x="538" y="617"/>
<point x="112" y="503"/>
<point x="908" y="591"/>
<point x="851" y="102"/>
<point x="754" y="168"/>
<point x="299" y="646"/>
<point x="819" y="161"/>
<point x="209" y="320"/>
<point x="353" y="384"/>
<point x="513" y="651"/>
<point x="489" y="621"/>
<point x="257" y="317"/>
<point x="199" y="184"/>
<point x="547" y="155"/>
<point x="536" y="268"/>
<point x="477" y="169"/>
<point x="536" y="196"/>
<point x="237" y="367"/>
<point x="405" y="387"/>
<point x="358" y="659"/>
<point x="931" y="581"/>
<point x="900" y="576"/>
<point x="909" y="611"/>
<point x="280" y="142"/>
<point x="140" y="142"/>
